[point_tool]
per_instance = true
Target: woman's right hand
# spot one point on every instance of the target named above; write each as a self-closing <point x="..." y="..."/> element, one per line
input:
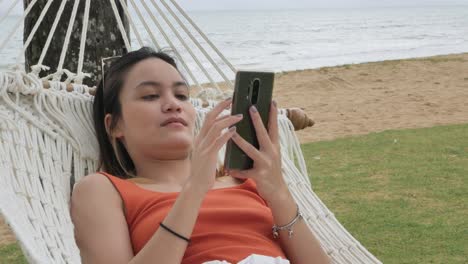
<point x="207" y="144"/>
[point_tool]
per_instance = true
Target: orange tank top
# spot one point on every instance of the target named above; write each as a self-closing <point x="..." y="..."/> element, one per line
<point x="233" y="222"/>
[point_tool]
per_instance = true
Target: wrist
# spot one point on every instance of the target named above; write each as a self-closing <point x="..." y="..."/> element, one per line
<point x="195" y="188"/>
<point x="288" y="226"/>
<point x="280" y="197"/>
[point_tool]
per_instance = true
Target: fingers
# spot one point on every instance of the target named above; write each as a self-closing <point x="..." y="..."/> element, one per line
<point x="222" y="117"/>
<point x="260" y="130"/>
<point x="250" y="150"/>
<point x="211" y="116"/>
<point x="221" y="124"/>
<point x="222" y="139"/>
<point x="273" y="124"/>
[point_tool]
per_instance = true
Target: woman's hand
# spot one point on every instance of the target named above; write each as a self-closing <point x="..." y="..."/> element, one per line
<point x="302" y="247"/>
<point x="207" y="144"/>
<point x="266" y="169"/>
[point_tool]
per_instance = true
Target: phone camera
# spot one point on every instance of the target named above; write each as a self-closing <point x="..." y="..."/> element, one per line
<point x="255" y="90"/>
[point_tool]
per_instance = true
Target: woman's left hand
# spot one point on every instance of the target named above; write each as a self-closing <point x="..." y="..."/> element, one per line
<point x="266" y="171"/>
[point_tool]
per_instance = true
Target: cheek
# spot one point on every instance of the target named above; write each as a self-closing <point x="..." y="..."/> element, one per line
<point x="140" y="115"/>
<point x="192" y="113"/>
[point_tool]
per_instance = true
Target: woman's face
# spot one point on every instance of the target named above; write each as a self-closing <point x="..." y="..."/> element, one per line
<point x="153" y="91"/>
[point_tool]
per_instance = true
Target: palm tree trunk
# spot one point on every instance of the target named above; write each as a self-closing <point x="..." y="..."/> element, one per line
<point x="103" y="38"/>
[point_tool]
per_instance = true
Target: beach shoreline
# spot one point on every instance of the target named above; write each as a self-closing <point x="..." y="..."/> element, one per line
<point x="370" y="97"/>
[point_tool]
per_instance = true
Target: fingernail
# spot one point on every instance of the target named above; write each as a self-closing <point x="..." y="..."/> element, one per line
<point x="253" y="109"/>
<point x="274" y="103"/>
<point x="228" y="99"/>
<point x="239" y="115"/>
<point x="232" y="129"/>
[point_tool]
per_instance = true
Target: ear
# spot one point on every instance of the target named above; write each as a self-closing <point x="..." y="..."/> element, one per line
<point x="117" y="132"/>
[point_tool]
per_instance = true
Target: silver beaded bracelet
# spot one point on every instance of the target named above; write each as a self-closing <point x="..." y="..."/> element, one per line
<point x="287" y="226"/>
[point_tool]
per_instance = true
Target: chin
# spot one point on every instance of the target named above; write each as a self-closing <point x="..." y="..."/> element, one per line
<point x="177" y="142"/>
<point x="169" y="148"/>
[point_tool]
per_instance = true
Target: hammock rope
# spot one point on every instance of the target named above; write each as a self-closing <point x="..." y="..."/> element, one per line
<point x="130" y="20"/>
<point x="121" y="26"/>
<point x="60" y="70"/>
<point x="51" y="33"/>
<point x="84" y="30"/>
<point x="17" y="25"/>
<point x="143" y="21"/>
<point x="221" y="73"/>
<point x="194" y="25"/>
<point x="33" y="31"/>
<point x="7" y="13"/>
<point x="197" y="61"/>
<point x="171" y="44"/>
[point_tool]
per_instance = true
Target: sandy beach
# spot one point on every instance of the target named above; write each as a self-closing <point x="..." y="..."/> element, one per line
<point x="363" y="98"/>
<point x="371" y="97"/>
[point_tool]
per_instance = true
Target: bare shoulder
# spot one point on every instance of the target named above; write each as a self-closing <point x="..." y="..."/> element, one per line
<point x="94" y="186"/>
<point x="99" y="221"/>
<point x="94" y="190"/>
<point x="91" y="192"/>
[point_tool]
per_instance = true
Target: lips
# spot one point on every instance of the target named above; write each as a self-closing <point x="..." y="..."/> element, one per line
<point x="174" y="120"/>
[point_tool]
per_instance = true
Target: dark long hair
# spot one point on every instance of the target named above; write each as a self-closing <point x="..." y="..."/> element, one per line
<point x="113" y="156"/>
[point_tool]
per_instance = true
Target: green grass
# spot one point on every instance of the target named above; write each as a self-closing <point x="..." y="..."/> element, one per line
<point x="402" y="194"/>
<point x="11" y="254"/>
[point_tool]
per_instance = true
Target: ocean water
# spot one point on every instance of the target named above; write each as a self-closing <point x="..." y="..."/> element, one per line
<point x="284" y="40"/>
<point x="303" y="39"/>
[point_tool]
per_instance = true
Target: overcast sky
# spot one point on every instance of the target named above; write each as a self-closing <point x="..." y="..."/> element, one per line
<point x="281" y="4"/>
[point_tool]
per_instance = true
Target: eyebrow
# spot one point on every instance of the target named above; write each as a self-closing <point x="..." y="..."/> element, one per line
<point x="159" y="85"/>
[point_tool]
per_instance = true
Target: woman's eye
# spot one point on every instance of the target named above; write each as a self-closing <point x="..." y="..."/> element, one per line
<point x="182" y="97"/>
<point x="150" y="96"/>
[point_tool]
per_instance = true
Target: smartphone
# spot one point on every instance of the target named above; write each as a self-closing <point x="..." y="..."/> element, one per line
<point x="251" y="88"/>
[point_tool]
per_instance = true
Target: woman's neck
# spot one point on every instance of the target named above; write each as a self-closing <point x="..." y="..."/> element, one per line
<point x="165" y="172"/>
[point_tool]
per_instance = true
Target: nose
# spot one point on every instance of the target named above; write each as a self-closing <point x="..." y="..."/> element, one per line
<point x="171" y="104"/>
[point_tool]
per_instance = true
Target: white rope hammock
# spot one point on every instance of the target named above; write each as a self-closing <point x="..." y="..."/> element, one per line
<point x="47" y="140"/>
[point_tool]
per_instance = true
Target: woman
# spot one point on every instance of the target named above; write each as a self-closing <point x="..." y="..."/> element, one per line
<point x="155" y="173"/>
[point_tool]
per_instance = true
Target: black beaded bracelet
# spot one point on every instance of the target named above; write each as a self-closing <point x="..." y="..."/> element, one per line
<point x="174" y="233"/>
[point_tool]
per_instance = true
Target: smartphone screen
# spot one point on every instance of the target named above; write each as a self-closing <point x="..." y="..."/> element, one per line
<point x="251" y="88"/>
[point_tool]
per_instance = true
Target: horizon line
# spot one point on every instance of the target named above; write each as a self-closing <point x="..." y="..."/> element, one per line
<point x="322" y="7"/>
<point x="308" y="8"/>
